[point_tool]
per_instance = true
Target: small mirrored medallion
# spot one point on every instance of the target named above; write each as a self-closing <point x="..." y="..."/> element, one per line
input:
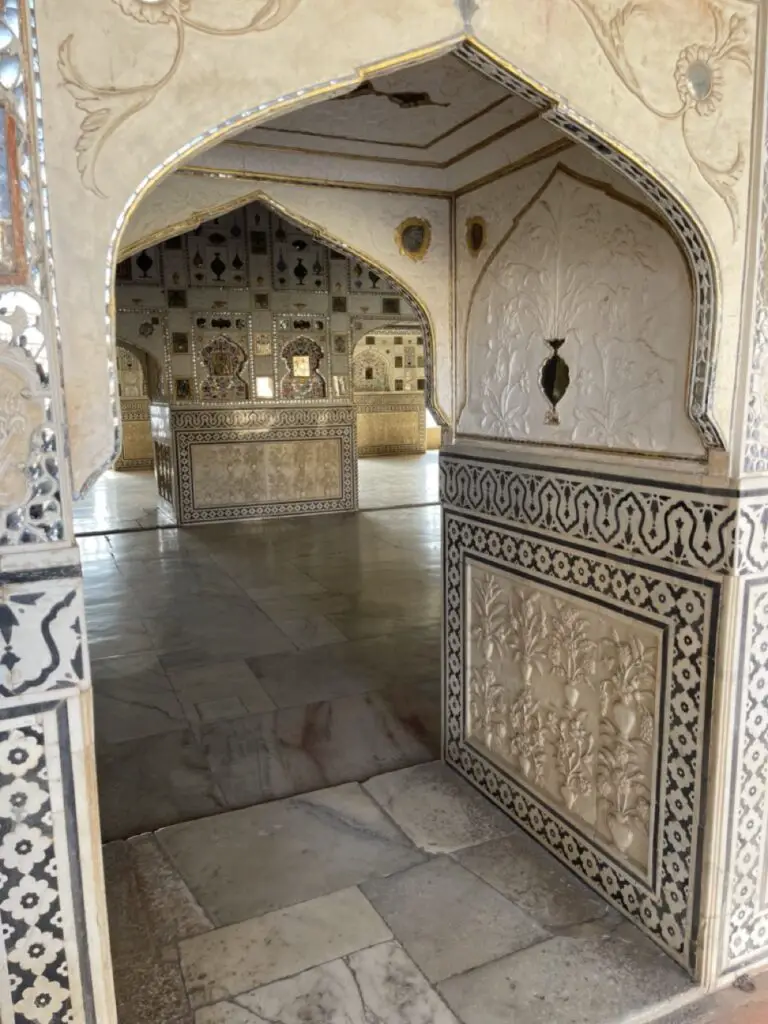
<point x="700" y="79"/>
<point x="476" y="233"/>
<point x="413" y="237"/>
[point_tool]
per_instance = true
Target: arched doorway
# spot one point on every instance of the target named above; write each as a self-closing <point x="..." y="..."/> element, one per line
<point x="476" y="489"/>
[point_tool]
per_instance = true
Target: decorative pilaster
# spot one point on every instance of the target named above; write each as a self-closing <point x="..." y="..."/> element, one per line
<point x="54" y="954"/>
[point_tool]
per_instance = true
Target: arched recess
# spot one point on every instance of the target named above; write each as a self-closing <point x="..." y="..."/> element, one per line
<point x="588" y="283"/>
<point x="676" y="213"/>
<point x="326" y="237"/>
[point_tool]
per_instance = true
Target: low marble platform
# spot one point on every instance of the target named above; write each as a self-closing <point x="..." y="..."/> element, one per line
<point x="407" y="900"/>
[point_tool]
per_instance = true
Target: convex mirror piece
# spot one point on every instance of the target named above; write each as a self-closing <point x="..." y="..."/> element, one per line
<point x="554" y="378"/>
<point x="413" y="237"/>
<point x="476" y="234"/>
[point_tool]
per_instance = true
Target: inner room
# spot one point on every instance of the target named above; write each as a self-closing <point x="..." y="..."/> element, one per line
<point x="329" y="676"/>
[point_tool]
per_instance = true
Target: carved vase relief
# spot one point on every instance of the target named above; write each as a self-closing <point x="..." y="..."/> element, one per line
<point x="579" y="327"/>
<point x="565" y="697"/>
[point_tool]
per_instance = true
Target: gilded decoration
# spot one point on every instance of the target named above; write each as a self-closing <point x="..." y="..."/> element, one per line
<point x="700" y="76"/>
<point x="476" y="234"/>
<point x="106" y="107"/>
<point x="413" y="237"/>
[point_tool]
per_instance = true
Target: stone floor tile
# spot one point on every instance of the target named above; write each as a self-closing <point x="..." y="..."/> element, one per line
<point x="154" y="781"/>
<point x="150" y="906"/>
<point x="438" y="809"/>
<point x="130" y="708"/>
<point x="523" y="871"/>
<point x="143" y="666"/>
<point x="148" y="989"/>
<point x="377" y="984"/>
<point x="248" y="862"/>
<point x="150" y="909"/>
<point x="449" y="920"/>
<point x="236" y="959"/>
<point x="603" y="977"/>
<point x="360" y="666"/>
<point x="311" y="631"/>
<point x="296" y="750"/>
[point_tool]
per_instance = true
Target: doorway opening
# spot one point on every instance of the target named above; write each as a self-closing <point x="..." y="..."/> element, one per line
<point x="275" y="706"/>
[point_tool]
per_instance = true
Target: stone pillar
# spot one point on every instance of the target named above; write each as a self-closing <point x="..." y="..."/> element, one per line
<point x="738" y="869"/>
<point x="54" y="953"/>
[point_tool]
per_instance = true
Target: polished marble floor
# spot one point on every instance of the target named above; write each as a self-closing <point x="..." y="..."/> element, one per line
<point x="239" y="663"/>
<point x="127" y="500"/>
<point x="406" y="900"/>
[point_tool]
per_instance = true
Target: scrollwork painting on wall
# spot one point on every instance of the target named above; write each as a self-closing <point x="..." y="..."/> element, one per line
<point x="106" y="106"/>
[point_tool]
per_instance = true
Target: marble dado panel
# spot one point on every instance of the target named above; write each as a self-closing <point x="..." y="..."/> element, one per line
<point x="635" y="837"/>
<point x="565" y="696"/>
<point x="276" y="457"/>
<point x="390" y="424"/>
<point x="137" y="448"/>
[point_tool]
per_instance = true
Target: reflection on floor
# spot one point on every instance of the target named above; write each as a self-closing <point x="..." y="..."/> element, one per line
<point x="398" y="480"/>
<point x="239" y="663"/>
<point x="403" y="901"/>
<point x="119" y="501"/>
<point x="127" y="500"/>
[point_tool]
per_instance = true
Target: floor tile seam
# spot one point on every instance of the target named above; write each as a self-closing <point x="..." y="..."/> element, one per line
<point x="497" y="959"/>
<point x="656" y="1015"/>
<point x="428" y="854"/>
<point x="325" y="963"/>
<point x="295" y="974"/>
<point x="554" y="931"/>
<point x="179" y="878"/>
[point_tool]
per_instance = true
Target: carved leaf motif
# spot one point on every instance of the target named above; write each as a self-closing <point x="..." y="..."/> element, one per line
<point x="527" y="640"/>
<point x="730" y="43"/>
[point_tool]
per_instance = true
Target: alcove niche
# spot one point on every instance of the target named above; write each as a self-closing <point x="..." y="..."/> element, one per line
<point x="578" y="324"/>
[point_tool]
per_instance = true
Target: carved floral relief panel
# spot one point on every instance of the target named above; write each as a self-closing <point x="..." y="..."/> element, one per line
<point x="565" y="696"/>
<point x="579" y="326"/>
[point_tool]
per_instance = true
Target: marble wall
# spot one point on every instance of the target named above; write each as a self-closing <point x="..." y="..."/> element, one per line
<point x="111" y="97"/>
<point x="578" y="279"/>
<point x="390" y="424"/>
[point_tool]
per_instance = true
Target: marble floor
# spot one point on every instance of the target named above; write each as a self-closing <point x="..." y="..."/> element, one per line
<point x="239" y="663"/>
<point x="127" y="500"/>
<point x="406" y="900"/>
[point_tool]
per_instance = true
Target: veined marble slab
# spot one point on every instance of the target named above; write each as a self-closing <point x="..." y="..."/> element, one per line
<point x="378" y="985"/>
<point x="234" y="960"/>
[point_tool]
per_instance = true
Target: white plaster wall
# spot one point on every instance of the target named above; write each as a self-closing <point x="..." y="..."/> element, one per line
<point x="567" y="257"/>
<point x="127" y="87"/>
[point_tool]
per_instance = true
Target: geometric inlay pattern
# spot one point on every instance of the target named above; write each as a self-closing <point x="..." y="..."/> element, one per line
<point x="30" y="909"/>
<point x="746" y="873"/>
<point x="719" y="531"/>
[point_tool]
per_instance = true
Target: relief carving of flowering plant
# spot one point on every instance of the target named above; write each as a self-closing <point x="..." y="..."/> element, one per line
<point x="527" y="640"/>
<point x="574" y="749"/>
<point x="571" y="651"/>
<point x="487" y="708"/>
<point x="627" y="693"/>
<point x="489" y="616"/>
<point x="699" y="76"/>
<point x="107" y="106"/>
<point x="622" y="786"/>
<point x="527" y="740"/>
